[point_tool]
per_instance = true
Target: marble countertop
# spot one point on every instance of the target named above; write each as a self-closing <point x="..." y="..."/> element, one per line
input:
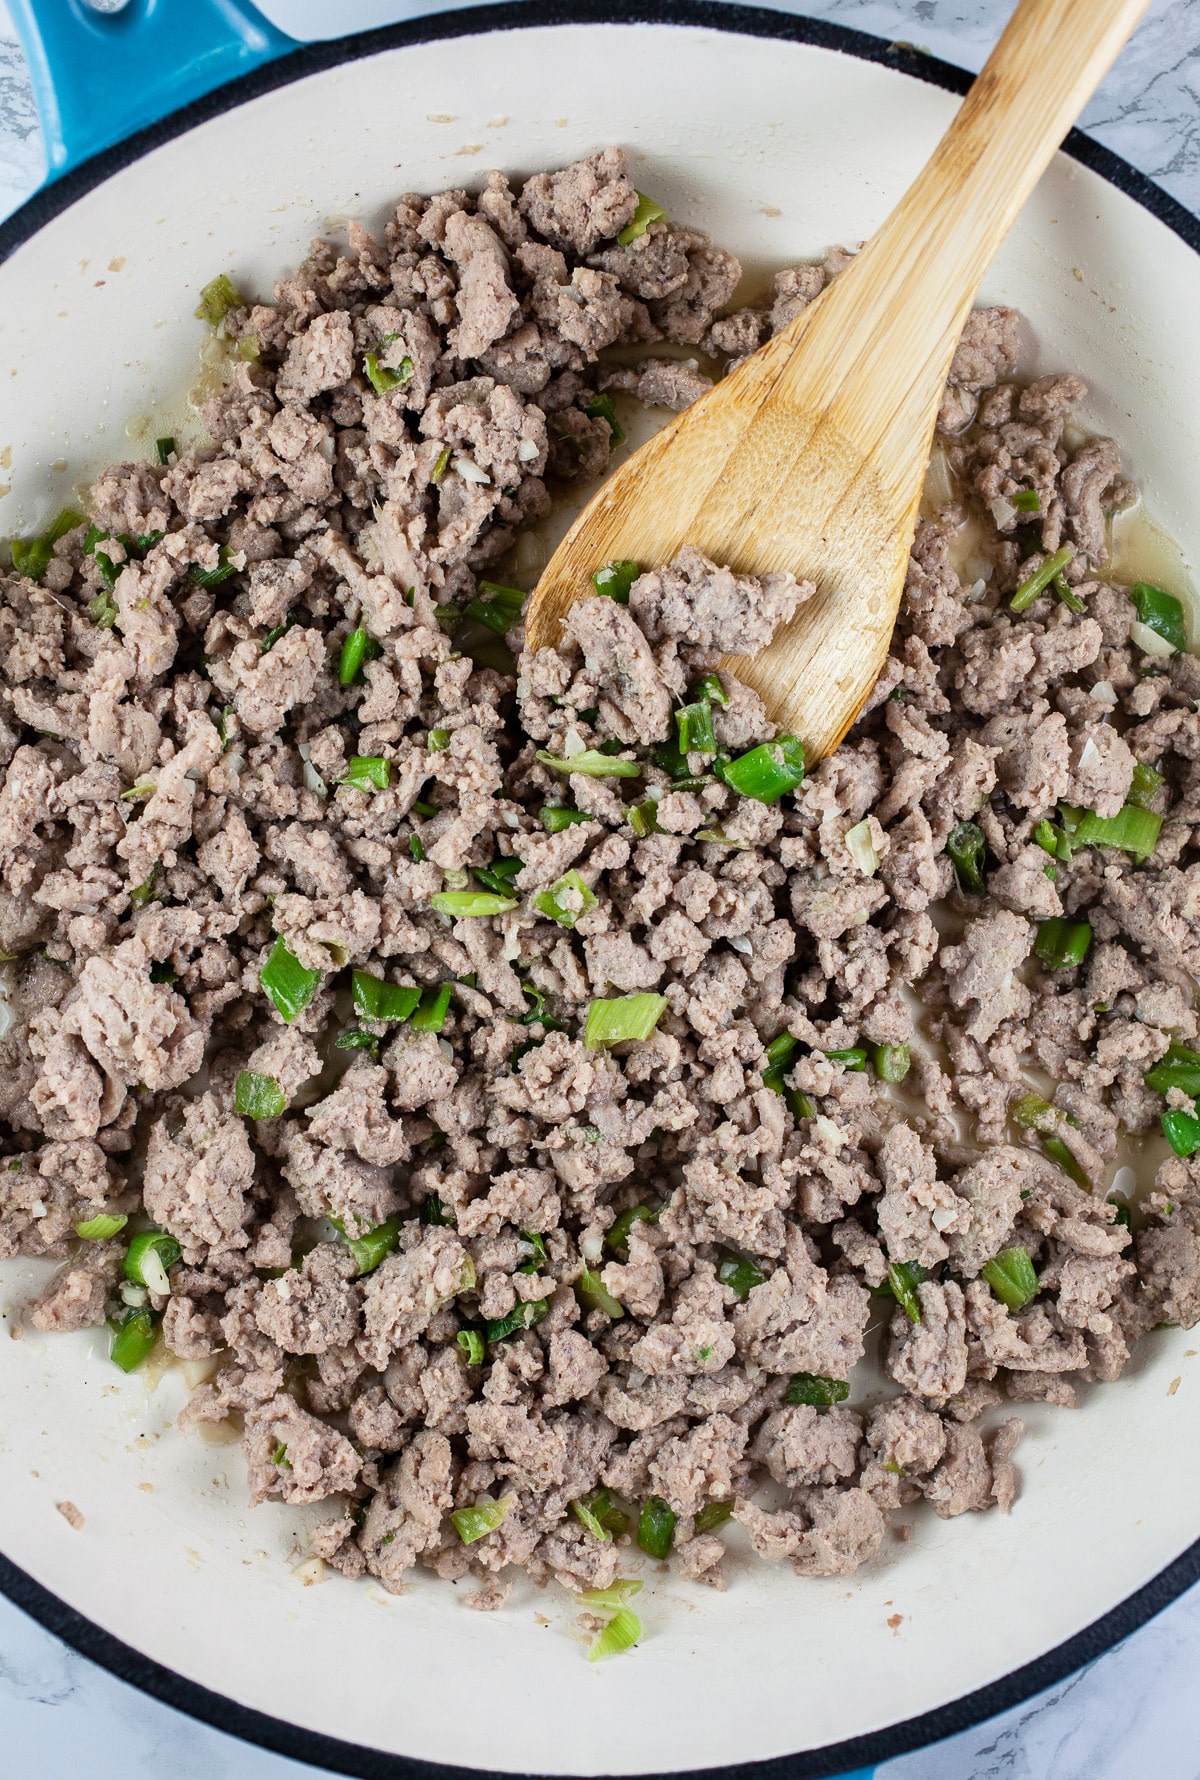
<point x="1135" y="1711"/>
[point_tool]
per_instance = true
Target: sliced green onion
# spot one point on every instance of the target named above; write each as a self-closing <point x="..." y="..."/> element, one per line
<point x="210" y="577"/>
<point x="476" y="1523"/>
<point x="593" y="763"/>
<point x="143" y="893"/>
<point x="1145" y="783"/>
<point x="102" y="610"/>
<point x="465" y="903"/>
<point x="813" y="1389"/>
<point x="1047" y="837"/>
<point x="432" y="1009"/>
<point x="694" y="723"/>
<point x="375" y="1246"/>
<point x="279" y="1456"/>
<point x="765" y="773"/>
<point x="709" y="686"/>
<point x="1061" y="945"/>
<point x="739" y="1273"/>
<point x="148" y="1257"/>
<point x="539" y="1256"/>
<point x="647" y="212"/>
<point x="359" y="647"/>
<point x="891" y="1063"/>
<point x="622" y="1631"/>
<point x="500" y="874"/>
<point x="424" y="810"/>
<point x="434" y="1212"/>
<point x="382" y="378"/>
<point x="499" y="608"/>
<point x="616" y="578"/>
<point x="367" y="772"/>
<point x="133" y="1339"/>
<point x="1070" y="600"/>
<point x="595" y="1294"/>
<point x="566" y="900"/>
<point x="601" y="408"/>
<point x="164" y="449"/>
<point x="623" y="1017"/>
<point x="521" y="1316"/>
<point x="656" y="1527"/>
<point x="555" y="817"/>
<point x="375" y="999"/>
<point x="162" y="973"/>
<point x="967" y="848"/>
<point x="1040" y="579"/>
<point x="102" y="1227"/>
<point x="903" y="1278"/>
<point x="1160" y="612"/>
<point x="290" y="984"/>
<point x="442" y="464"/>
<point x="258" y="1096"/>
<point x="217" y="298"/>
<point x="643" y="818"/>
<point x="854" y="1059"/>
<point x="1182" y="1131"/>
<point x="1133" y="830"/>
<point x="437" y="741"/>
<point x="619" y="1591"/>
<point x="617" y="1239"/>
<point x="471" y="1343"/>
<point x="1026" y="500"/>
<point x="1060" y="1154"/>
<point x="357" y="1041"/>
<point x="273" y="636"/>
<point x="712" y="1515"/>
<point x="593" y="1510"/>
<point x="1011" y="1276"/>
<point x="1180" y="1068"/>
<point x="416" y="848"/>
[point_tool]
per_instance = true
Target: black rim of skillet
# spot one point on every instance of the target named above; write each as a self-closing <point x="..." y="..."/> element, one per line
<point x="84" y="1635"/>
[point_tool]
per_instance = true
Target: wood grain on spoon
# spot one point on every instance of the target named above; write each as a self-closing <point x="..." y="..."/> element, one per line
<point x="811" y="455"/>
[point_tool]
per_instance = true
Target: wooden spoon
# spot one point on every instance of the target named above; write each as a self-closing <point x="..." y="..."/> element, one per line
<point x="811" y="455"/>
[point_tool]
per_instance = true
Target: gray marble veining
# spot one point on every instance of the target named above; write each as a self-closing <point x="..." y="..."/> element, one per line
<point x="1135" y="1712"/>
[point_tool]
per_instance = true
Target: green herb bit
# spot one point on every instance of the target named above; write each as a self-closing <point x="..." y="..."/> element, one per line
<point x="694" y="723"/>
<point x="1145" y="784"/>
<point x="1034" y="1113"/>
<point x="521" y="1316"/>
<point x="855" y="1058"/>
<point x="739" y="1273"/>
<point x="617" y="1239"/>
<point x="163" y="973"/>
<point x="464" y="904"/>
<point x="133" y="1339"/>
<point x="1160" y="612"/>
<point x="1011" y="1276"/>
<point x="1040" y="579"/>
<point x="499" y="876"/>
<point x="1122" y="1212"/>
<point x="619" y="1592"/>
<point x="1182" y="1131"/>
<point x="647" y="212"/>
<point x="967" y="847"/>
<point x="593" y="764"/>
<point x="539" y="1257"/>
<point x="258" y="1096"/>
<point x="279" y="1456"/>
<point x="602" y="407"/>
<point x="1180" y="1068"/>
<point x="470" y="1341"/>
<point x="566" y="900"/>
<point x="102" y="610"/>
<point x="143" y="893"/>
<point x="383" y="378"/>
<point x="656" y="1527"/>
<point x="375" y="999"/>
<point x="1061" y="1155"/>
<point x="555" y="817"/>
<point x="274" y="634"/>
<point x="148" y="1257"/>
<point x="623" y="1017"/>
<point x="217" y="298"/>
<point x="476" y="1523"/>
<point x="1070" y="600"/>
<point x="289" y="984"/>
<point x="643" y="818"/>
<point x="211" y="577"/>
<point x="359" y="647"/>
<point x="903" y="1278"/>
<point x="891" y="1063"/>
<point x="367" y="772"/>
<point x="375" y="1246"/>
<point x="1026" y="500"/>
<point x="765" y="773"/>
<point x="64" y="521"/>
<point x="416" y="849"/>
<point x="616" y="578"/>
<point x="424" y="810"/>
<point x="434" y="1212"/>
<point x="1134" y="830"/>
<point x="813" y="1389"/>
<point x="164" y="449"/>
<point x="713" y="1515"/>
<point x="437" y="741"/>
<point x="709" y="686"/>
<point x="498" y="607"/>
<point x="102" y="1227"/>
<point x="1047" y="837"/>
<point x="357" y="1040"/>
<point x="590" y="1288"/>
<point x="1061" y="945"/>
<point x="595" y="1511"/>
<point x="432" y="1009"/>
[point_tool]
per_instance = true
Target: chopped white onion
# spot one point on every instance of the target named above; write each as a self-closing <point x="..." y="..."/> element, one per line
<point x="1002" y="511"/>
<point x="573" y="744"/>
<point x="828" y="1133"/>
<point x="312" y="778"/>
<point x="1124" y="1182"/>
<point x="975" y="591"/>
<point x="741" y="944"/>
<point x="939" y="490"/>
<point x="1149" y="641"/>
<point x="943" y="1217"/>
<point x="234" y="764"/>
<point x="527" y="451"/>
<point x="1089" y="754"/>
<point x="861" y="848"/>
<point x="155" y="1274"/>
<point x="38" y="1208"/>
<point x="591" y="1245"/>
<point x="1104" y="693"/>
<point x="8" y="1013"/>
<point x="470" y="471"/>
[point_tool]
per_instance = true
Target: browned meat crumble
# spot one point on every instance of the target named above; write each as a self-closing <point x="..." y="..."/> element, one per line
<point x="183" y="790"/>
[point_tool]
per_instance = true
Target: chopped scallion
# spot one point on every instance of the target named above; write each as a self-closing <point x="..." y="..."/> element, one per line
<point x="555" y="817"/>
<point x="375" y="1246"/>
<point x="211" y="577"/>
<point x="739" y="1273"/>
<point x="462" y="904"/>
<point x="855" y="1058"/>
<point x="476" y="1523"/>
<point x="359" y="647"/>
<point x="694" y="723"/>
<point x="647" y="212"/>
<point x="903" y="1278"/>
<point x="1133" y="830"/>
<point x="1011" y="1276"/>
<point x="765" y="773"/>
<point x="656" y="1527"/>
<point x="102" y="1227"/>
<point x="164" y="449"/>
<point x="375" y="999"/>
<point x="813" y="1389"/>
<point x="713" y="1515"/>
<point x="617" y="1239"/>
<point x="623" y="1017"/>
<point x="497" y="607"/>
<point x="142" y="894"/>
<point x="383" y="378"/>
<point x="1026" y="500"/>
<point x="148" y="1257"/>
<point x="1160" y="612"/>
<point x="595" y="1294"/>
<point x="643" y="818"/>
<point x="601" y="408"/>
<point x="522" y="1316"/>
<point x="133" y="1338"/>
<point x="1040" y="579"/>
<point x="1060" y="944"/>
<point x="367" y="772"/>
<point x="1182" y="1131"/>
<point x="1146" y="782"/>
<point x="290" y="984"/>
<point x="592" y="763"/>
<point x="891" y="1063"/>
<point x="432" y="1009"/>
<point x="499" y="876"/>
<point x="471" y="1343"/>
<point x="967" y="848"/>
<point x="616" y="578"/>
<point x="566" y="900"/>
<point x="258" y="1096"/>
<point x="217" y="298"/>
<point x="1180" y="1068"/>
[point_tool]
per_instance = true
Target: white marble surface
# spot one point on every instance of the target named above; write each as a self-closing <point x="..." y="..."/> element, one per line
<point x="1137" y="1710"/>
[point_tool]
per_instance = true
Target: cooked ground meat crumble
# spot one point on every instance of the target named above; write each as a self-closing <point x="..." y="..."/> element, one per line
<point x="489" y="1282"/>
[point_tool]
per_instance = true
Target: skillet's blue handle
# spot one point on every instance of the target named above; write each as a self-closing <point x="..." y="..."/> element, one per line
<point x="100" y="75"/>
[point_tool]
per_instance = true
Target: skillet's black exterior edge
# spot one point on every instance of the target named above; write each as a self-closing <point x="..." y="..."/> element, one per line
<point x="82" y="1634"/>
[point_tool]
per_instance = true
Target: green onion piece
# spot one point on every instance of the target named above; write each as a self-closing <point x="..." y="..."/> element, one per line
<point x="416" y="848"/>
<point x="617" y="1239"/>
<point x="1011" y="1276"/>
<point x="290" y="984"/>
<point x="1123" y="1218"/>
<point x="442" y="464"/>
<point x="592" y="1290"/>
<point x="471" y="1343"/>
<point x="1070" y="600"/>
<point x="623" y="1017"/>
<point x="593" y="764"/>
<point x="1026" y="500"/>
<point x="499" y="609"/>
<point x="367" y="772"/>
<point x="162" y="973"/>
<point x="101" y="1227"/>
<point x="602" y="408"/>
<point x="590" y="1511"/>
<point x="382" y="378"/>
<point x="616" y="578"/>
<point x="30" y="556"/>
<point x="434" y="1212"/>
<point x="539" y="1256"/>
<point x="424" y="810"/>
<point x="273" y="636"/>
<point x="437" y="741"/>
<point x="1160" y="612"/>
<point x="709" y="686"/>
<point x="853" y="1059"/>
<point x="279" y="1456"/>
<point x="1145" y="783"/>
<point x="739" y="1273"/>
<point x="647" y="212"/>
<point x="622" y="1631"/>
<point x="1180" y="1068"/>
<point x="903" y="1278"/>
<point x="476" y="1523"/>
<point x="432" y="1009"/>
<point x="643" y="818"/>
<point x="258" y="1096"/>
<point x="357" y="1041"/>
<point x="1060" y="1153"/>
<point x="891" y="1063"/>
<point x="164" y="449"/>
<point x="1060" y="945"/>
<point x="500" y="874"/>
<point x="134" y="1336"/>
<point x="619" y="1591"/>
<point x="148" y="1257"/>
<point x="1046" y="836"/>
<point x="375" y="1246"/>
<point x="210" y="577"/>
<point x="375" y="999"/>
<point x="1182" y="1131"/>
<point x="767" y="771"/>
<point x="555" y="817"/>
<point x="143" y="893"/>
<point x="1040" y="579"/>
<point x="521" y="1316"/>
<point x="781" y="1047"/>
<point x="64" y="521"/>
<point x="812" y="1388"/>
<point x="1034" y="1113"/>
<point x="712" y="1515"/>
<point x="102" y="610"/>
<point x="217" y="298"/>
<point x="464" y="903"/>
<point x="1133" y="830"/>
<point x="695" y="725"/>
<point x="967" y="848"/>
<point x="358" y="648"/>
<point x="566" y="900"/>
<point x="656" y="1527"/>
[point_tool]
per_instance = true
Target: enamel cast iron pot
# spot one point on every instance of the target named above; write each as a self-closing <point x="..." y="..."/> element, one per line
<point x="190" y="137"/>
